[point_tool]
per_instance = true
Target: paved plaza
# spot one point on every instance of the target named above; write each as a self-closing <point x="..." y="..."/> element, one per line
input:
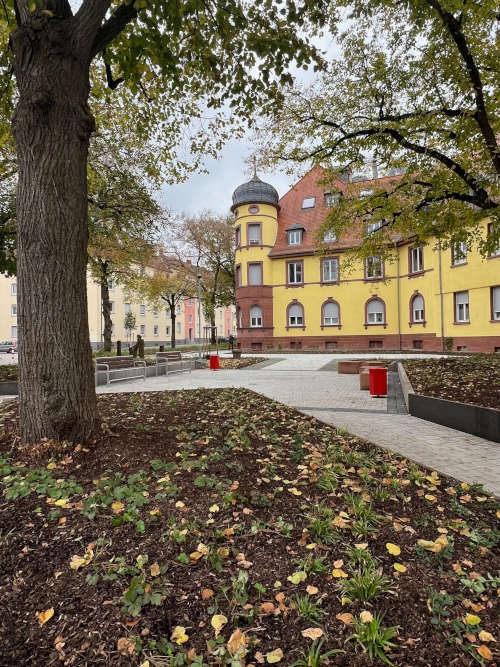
<point x="299" y="381"/>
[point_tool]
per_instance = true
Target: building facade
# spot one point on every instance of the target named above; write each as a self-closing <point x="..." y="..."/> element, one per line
<point x="290" y="295"/>
<point x="155" y="326"/>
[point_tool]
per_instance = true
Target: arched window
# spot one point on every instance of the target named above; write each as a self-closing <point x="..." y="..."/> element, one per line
<point x="375" y="311"/>
<point x="255" y="316"/>
<point x="331" y="314"/>
<point x="295" y="315"/>
<point x="417" y="310"/>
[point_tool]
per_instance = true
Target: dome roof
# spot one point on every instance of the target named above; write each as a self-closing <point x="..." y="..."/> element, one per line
<point x="255" y="192"/>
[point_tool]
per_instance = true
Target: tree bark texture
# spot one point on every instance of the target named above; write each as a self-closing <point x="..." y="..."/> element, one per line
<point x="106" y="307"/>
<point x="52" y="126"/>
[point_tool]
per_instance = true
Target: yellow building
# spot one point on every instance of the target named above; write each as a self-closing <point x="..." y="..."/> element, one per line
<point x="154" y="326"/>
<point x="290" y="295"/>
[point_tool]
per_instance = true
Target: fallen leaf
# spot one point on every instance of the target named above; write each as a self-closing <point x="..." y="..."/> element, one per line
<point x="214" y="509"/>
<point x="297" y="577"/>
<point x="179" y="635"/>
<point x="339" y="574"/>
<point x="338" y="563"/>
<point x="45" y="616"/>
<point x="312" y="633"/>
<point x="267" y="608"/>
<point x="346" y="618"/>
<point x="399" y="568"/>
<point x="485" y="652"/>
<point x="274" y="656"/>
<point x="206" y="593"/>
<point x="117" y="507"/>
<point x="366" y="616"/>
<point x="486" y="636"/>
<point x="312" y="590"/>
<point x="154" y="569"/>
<point x="125" y="646"/>
<point x="218" y="621"/>
<point x="236" y="643"/>
<point x="472" y="619"/>
<point x="393" y="549"/>
<point x="81" y="561"/>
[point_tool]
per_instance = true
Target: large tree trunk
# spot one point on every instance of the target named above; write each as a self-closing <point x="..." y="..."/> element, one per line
<point x="106" y="307"/>
<point x="51" y="127"/>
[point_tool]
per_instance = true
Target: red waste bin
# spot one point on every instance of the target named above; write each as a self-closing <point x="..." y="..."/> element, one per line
<point x="378" y="381"/>
<point x="214" y="362"/>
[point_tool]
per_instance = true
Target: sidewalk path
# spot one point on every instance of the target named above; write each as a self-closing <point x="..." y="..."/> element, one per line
<point x="337" y="400"/>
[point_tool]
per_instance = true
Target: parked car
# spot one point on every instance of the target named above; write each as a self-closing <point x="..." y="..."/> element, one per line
<point x="8" y="346"/>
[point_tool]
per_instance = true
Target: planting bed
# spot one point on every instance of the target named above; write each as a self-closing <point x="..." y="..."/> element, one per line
<point x="474" y="379"/>
<point x="218" y="527"/>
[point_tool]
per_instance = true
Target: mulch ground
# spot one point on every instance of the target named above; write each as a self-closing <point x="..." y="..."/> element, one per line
<point x="8" y="373"/>
<point x="218" y="527"/>
<point x="239" y="363"/>
<point x="474" y="379"/>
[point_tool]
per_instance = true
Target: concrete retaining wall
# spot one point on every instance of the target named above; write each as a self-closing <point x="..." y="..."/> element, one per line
<point x="473" y="419"/>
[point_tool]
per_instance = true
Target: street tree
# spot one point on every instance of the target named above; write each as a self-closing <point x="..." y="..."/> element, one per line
<point x="176" y="65"/>
<point x="164" y="284"/>
<point x="130" y="323"/>
<point x="416" y="91"/>
<point x="207" y="241"/>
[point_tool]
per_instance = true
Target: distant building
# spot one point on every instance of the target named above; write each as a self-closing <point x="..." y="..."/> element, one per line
<point x="153" y="325"/>
<point x="290" y="295"/>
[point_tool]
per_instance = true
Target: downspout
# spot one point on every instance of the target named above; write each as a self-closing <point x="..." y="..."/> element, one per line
<point x="441" y="294"/>
<point x="398" y="296"/>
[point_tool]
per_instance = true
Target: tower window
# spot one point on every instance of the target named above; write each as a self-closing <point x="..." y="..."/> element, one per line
<point x="253" y="209"/>
<point x="308" y="202"/>
<point x="254" y="234"/>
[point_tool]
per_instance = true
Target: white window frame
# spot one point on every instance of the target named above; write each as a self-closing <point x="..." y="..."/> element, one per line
<point x="142" y="309"/>
<point x="250" y="277"/>
<point x="293" y="320"/>
<point x="128" y="308"/>
<point x="155" y="330"/>
<point x="13" y="332"/>
<point x="143" y="329"/>
<point x="378" y="316"/>
<point x="417" y="313"/>
<point x="13" y="309"/>
<point x="462" y="312"/>
<point x="416" y="259"/>
<point x="332" y="199"/>
<point x="292" y="271"/>
<point x="256" y="317"/>
<point x="373" y="226"/>
<point x="327" y="270"/>
<point x="308" y="202"/>
<point x="256" y="241"/>
<point x="294" y="236"/>
<point x="330" y="237"/>
<point x="372" y="263"/>
<point x="13" y="289"/>
<point x="459" y="253"/>
<point x="495" y="303"/>
<point x="329" y="321"/>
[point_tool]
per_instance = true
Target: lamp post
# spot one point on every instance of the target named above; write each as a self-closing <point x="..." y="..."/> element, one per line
<point x="198" y="285"/>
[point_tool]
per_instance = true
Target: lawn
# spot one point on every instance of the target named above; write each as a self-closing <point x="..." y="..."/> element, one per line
<point x="218" y="527"/>
<point x="474" y="379"/>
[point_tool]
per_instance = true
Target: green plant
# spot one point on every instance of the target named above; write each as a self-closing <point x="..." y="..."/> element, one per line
<point x="365" y="584"/>
<point x="297" y="455"/>
<point x="359" y="558"/>
<point x="439" y="603"/>
<point x="239" y="583"/>
<point x="448" y="344"/>
<point x="313" y="657"/>
<point x="374" y="639"/>
<point x="311" y="565"/>
<point x="308" y="609"/>
<point x="435" y="557"/>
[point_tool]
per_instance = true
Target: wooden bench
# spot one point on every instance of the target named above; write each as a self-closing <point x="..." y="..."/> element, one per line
<point x="127" y="364"/>
<point x="173" y="362"/>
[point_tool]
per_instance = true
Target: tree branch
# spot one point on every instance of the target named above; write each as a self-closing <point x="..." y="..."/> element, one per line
<point x="453" y="27"/>
<point x="89" y="19"/>
<point x="113" y="27"/>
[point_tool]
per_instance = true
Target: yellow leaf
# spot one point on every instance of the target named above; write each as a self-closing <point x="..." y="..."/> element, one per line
<point x="498" y="514"/>
<point x="312" y="633"/>
<point x="218" y="620"/>
<point x="486" y="636"/>
<point x="196" y="555"/>
<point x="361" y="545"/>
<point x="51" y="466"/>
<point x="345" y="601"/>
<point x="236" y="643"/>
<point x="154" y="569"/>
<point x="45" y="616"/>
<point x="312" y="590"/>
<point x="117" y="507"/>
<point x="346" y="618"/>
<point x="485" y="652"/>
<point x="274" y="656"/>
<point x="472" y="619"/>
<point x="144" y="664"/>
<point x="179" y="504"/>
<point x="338" y="563"/>
<point x="295" y="492"/>
<point x="179" y="635"/>
<point x="81" y="561"/>
<point x="338" y="574"/>
<point x="430" y="497"/>
<point x="214" y="508"/>
<point x="202" y="548"/>
<point x="61" y="502"/>
<point x="366" y="616"/>
<point x="399" y="568"/>
<point x="393" y="549"/>
<point x="297" y="577"/>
